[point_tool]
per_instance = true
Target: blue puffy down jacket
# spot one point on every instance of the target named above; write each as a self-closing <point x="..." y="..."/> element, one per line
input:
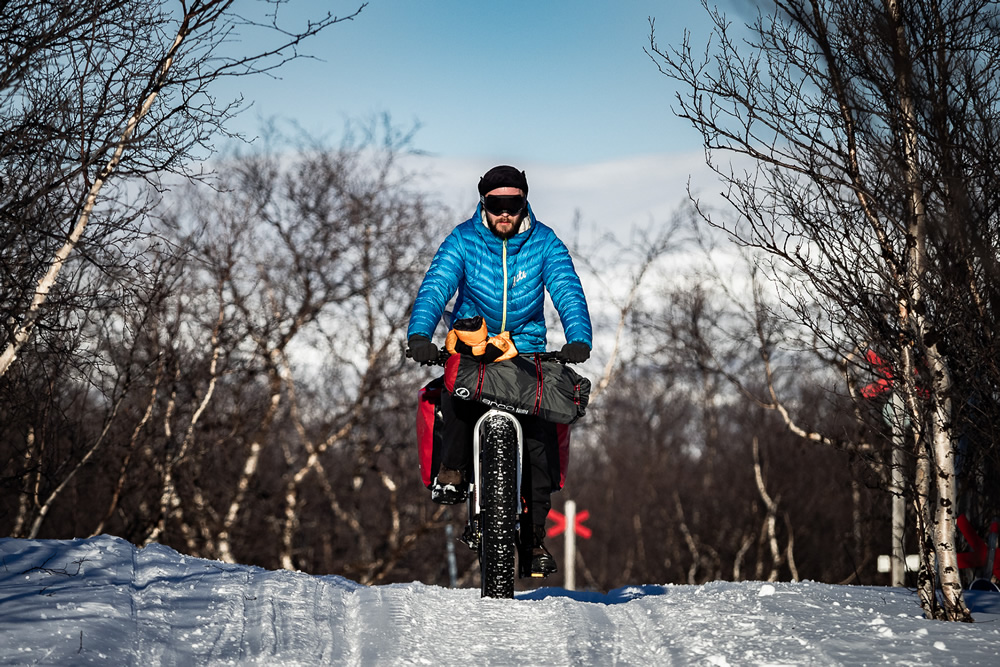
<point x="505" y="282"/>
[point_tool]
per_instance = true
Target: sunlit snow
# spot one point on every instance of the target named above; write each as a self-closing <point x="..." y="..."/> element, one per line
<point x="104" y="601"/>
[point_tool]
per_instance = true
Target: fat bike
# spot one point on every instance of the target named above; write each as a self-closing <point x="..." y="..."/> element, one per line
<point x="498" y="527"/>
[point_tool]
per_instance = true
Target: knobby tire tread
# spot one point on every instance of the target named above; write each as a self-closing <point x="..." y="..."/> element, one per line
<point x="499" y="506"/>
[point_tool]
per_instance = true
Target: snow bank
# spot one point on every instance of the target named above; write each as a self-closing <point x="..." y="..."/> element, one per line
<point x="102" y="600"/>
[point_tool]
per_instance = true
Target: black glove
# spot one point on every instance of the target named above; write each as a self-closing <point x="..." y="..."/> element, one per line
<point x="422" y="349"/>
<point x="575" y="353"/>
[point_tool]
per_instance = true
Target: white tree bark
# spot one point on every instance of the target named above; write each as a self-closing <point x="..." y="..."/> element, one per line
<point x="170" y="503"/>
<point x="779" y="556"/>
<point x="942" y="456"/>
<point x="24" y="329"/>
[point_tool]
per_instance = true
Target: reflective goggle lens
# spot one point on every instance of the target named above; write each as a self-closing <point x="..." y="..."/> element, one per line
<point x="498" y="204"/>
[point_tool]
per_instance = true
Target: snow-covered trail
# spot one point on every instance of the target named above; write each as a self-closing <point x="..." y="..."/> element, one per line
<point x="102" y="600"/>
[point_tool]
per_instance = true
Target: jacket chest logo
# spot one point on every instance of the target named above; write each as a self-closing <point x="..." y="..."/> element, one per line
<point x="519" y="276"/>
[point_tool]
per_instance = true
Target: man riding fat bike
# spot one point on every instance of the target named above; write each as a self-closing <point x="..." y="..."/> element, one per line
<point x="500" y="262"/>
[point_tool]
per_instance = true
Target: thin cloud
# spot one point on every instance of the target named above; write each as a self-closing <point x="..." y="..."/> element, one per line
<point x="612" y="196"/>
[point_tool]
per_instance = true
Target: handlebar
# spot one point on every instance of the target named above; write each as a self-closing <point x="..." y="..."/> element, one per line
<point x="444" y="355"/>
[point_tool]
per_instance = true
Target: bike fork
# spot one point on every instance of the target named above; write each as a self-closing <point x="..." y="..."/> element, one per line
<point x="476" y="443"/>
<point x="472" y="534"/>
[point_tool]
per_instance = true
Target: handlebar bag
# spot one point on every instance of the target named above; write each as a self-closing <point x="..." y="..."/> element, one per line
<point x="524" y="385"/>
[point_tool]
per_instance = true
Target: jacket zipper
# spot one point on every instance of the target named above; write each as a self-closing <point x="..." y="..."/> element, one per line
<point x="503" y="319"/>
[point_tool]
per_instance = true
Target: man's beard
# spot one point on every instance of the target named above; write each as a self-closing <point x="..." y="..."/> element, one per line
<point x="515" y="227"/>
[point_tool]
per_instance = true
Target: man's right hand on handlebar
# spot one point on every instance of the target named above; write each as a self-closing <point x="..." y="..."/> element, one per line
<point x="422" y="349"/>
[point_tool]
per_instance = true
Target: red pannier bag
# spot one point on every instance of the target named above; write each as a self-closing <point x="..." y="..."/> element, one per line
<point x="429" y="429"/>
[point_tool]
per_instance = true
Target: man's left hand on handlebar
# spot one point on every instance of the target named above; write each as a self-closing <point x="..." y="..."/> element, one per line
<point x="575" y="353"/>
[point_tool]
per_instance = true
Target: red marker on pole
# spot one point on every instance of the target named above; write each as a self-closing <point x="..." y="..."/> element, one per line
<point x="570" y="523"/>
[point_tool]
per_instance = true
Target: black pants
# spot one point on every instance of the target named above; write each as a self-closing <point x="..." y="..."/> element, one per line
<point x="540" y="472"/>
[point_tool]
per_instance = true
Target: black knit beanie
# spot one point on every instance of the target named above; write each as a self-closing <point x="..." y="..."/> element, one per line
<point x="503" y="176"/>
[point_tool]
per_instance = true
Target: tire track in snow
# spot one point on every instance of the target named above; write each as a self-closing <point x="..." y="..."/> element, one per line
<point x="247" y="597"/>
<point x="385" y="616"/>
<point x="178" y="608"/>
<point x="351" y="629"/>
<point x="133" y="603"/>
<point x="589" y="633"/>
<point x="709" y="624"/>
<point x="315" y="630"/>
<point x="639" y="640"/>
<point x="431" y="625"/>
<point x="427" y="625"/>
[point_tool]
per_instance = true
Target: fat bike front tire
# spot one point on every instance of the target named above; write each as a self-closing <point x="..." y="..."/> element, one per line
<point x="499" y="506"/>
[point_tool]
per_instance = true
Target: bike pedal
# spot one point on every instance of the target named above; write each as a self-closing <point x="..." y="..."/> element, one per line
<point x="470" y="537"/>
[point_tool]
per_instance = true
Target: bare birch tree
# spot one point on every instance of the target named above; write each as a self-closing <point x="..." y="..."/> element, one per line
<point x="115" y="89"/>
<point x="871" y="128"/>
<point x="314" y="255"/>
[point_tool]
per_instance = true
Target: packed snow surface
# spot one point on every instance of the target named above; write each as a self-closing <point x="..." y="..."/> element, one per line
<point x="104" y="601"/>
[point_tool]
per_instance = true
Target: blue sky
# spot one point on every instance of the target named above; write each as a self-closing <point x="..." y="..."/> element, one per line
<point x="564" y="82"/>
<point x="562" y="87"/>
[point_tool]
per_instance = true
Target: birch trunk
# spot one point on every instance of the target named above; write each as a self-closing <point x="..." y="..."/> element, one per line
<point x="224" y="540"/>
<point x="170" y="503"/>
<point x="940" y="455"/>
<point x="28" y="499"/>
<point x="926" y="580"/>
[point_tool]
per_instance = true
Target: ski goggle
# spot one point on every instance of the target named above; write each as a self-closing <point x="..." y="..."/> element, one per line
<point x="499" y="204"/>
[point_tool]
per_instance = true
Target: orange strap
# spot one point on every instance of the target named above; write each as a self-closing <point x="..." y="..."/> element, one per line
<point x="477" y="341"/>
